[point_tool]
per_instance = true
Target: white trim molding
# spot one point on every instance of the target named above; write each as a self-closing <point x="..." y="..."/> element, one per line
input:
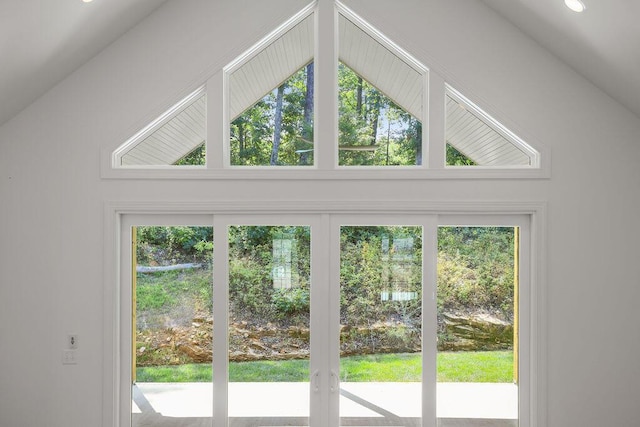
<point x="535" y="414"/>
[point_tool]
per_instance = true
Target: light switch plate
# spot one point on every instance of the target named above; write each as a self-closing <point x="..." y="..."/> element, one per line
<point x="69" y="357"/>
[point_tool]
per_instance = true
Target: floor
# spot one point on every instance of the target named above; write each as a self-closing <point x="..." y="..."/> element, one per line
<point x="361" y="404"/>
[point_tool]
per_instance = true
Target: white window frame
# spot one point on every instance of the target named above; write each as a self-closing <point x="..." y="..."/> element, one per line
<point x="326" y="124"/>
<point x="117" y="332"/>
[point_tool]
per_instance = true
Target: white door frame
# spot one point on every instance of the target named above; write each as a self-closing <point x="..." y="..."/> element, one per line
<point x="117" y="338"/>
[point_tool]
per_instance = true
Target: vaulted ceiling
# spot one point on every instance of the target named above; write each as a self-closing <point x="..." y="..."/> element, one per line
<point x="43" y="41"/>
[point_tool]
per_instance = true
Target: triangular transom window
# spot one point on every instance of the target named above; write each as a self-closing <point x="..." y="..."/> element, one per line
<point x="379" y="117"/>
<point x="271" y="100"/>
<point x="475" y="139"/>
<point x="177" y="137"/>
<point x="380" y="97"/>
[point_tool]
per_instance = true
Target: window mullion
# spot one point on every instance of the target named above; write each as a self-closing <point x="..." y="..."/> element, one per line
<point x="436" y="119"/>
<point x="326" y="85"/>
<point x="220" y="362"/>
<point x="215" y="129"/>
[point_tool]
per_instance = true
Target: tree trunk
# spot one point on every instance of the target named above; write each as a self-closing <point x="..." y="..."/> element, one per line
<point x="241" y="138"/>
<point x="308" y="103"/>
<point x="418" y="143"/>
<point x="278" y="126"/>
<point x="359" y="97"/>
<point x="375" y="118"/>
<point x="307" y="125"/>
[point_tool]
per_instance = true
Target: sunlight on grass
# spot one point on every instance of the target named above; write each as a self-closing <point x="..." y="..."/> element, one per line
<point x="476" y="366"/>
<point x="481" y="366"/>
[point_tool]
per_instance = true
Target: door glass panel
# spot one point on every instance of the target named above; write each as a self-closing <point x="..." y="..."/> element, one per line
<point x="172" y="308"/>
<point x="477" y="298"/>
<point x="381" y="318"/>
<point x="269" y="290"/>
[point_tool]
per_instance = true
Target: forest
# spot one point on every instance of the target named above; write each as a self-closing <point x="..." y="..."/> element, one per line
<point x="270" y="283"/>
<point x="278" y="130"/>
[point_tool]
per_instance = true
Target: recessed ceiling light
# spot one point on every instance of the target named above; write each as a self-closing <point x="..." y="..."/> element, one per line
<point x="87" y="1"/>
<point x="575" y="5"/>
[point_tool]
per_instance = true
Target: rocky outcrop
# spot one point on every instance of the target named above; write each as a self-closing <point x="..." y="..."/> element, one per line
<point x="474" y="332"/>
<point x="249" y="342"/>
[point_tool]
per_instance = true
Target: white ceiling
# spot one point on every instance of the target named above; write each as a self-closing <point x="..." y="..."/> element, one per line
<point x="602" y="43"/>
<point x="43" y="41"/>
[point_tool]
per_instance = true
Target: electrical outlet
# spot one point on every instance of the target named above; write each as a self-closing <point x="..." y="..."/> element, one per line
<point x="72" y="341"/>
<point x="69" y="357"/>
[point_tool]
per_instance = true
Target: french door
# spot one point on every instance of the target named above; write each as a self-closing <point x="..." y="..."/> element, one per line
<point x="322" y="320"/>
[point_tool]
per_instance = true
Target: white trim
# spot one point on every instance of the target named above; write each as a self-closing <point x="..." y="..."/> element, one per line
<point x="116" y="160"/>
<point x="216" y="111"/>
<point x="325" y="123"/>
<point x="429" y="320"/>
<point x="297" y="173"/>
<point x="114" y="212"/>
<point x="381" y="38"/>
<point x="527" y="149"/>
<point x="220" y="363"/>
<point x="436" y="121"/>
<point x="270" y="38"/>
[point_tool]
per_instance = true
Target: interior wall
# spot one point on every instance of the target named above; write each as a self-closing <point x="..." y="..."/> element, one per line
<point x="52" y="196"/>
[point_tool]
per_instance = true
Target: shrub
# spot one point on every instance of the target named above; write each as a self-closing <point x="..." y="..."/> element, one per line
<point x="291" y="301"/>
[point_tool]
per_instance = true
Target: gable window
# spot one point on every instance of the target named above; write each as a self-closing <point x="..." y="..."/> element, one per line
<point x="475" y="139"/>
<point x="380" y="93"/>
<point x="327" y="96"/>
<point x="271" y="101"/>
<point x="176" y="138"/>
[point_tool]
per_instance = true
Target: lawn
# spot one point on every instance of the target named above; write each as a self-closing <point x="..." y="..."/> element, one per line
<point x="484" y="366"/>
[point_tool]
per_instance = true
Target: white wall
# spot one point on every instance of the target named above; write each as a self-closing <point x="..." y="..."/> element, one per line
<point x="52" y="196"/>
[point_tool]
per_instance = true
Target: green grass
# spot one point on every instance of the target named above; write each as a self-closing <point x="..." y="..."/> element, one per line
<point x="159" y="290"/>
<point x="279" y="371"/>
<point x="476" y="366"/>
<point x="190" y="373"/>
<point x="381" y="367"/>
<point x="482" y="366"/>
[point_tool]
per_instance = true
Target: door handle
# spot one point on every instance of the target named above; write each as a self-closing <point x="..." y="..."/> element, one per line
<point x="315" y="381"/>
<point x="335" y="382"/>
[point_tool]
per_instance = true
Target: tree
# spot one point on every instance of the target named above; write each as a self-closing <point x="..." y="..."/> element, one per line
<point x="278" y="126"/>
<point x="363" y="109"/>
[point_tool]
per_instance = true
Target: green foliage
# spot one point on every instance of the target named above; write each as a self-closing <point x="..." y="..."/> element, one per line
<point x="366" y="117"/>
<point x="370" y="265"/>
<point x="195" y="158"/>
<point x="252" y="133"/>
<point x="251" y="288"/>
<point x="159" y="245"/>
<point x="291" y="301"/>
<point x="475" y="268"/>
<point x="456" y="158"/>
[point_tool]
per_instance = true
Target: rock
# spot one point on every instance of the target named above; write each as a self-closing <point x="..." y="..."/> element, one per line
<point x="476" y="332"/>
<point x="197" y="354"/>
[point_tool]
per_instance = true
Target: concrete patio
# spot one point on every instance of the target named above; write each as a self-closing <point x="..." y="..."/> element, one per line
<point x="361" y="404"/>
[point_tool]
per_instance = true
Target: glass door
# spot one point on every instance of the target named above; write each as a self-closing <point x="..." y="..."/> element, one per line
<point x="325" y="320"/>
<point x="381" y="313"/>
<point x="269" y="370"/>
<point x="170" y="284"/>
<point x="479" y="322"/>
